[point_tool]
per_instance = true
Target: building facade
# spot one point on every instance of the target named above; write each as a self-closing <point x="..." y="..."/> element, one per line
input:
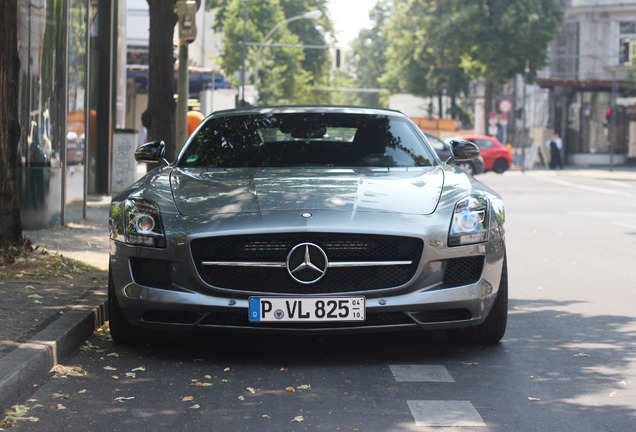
<point x="589" y="79"/>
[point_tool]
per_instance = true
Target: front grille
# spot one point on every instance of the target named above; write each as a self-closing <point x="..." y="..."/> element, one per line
<point x="152" y="273"/>
<point x="463" y="271"/>
<point x="275" y="248"/>
<point x="240" y="319"/>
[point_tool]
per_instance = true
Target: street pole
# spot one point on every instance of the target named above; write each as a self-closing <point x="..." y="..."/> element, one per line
<point x="242" y="99"/>
<point x="613" y="113"/>
<point x="525" y="114"/>
<point x="183" y="93"/>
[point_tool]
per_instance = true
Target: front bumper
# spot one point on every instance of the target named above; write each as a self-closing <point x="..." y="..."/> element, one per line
<point x="186" y="303"/>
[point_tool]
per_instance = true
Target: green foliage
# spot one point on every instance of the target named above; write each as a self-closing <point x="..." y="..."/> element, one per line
<point x="285" y="75"/>
<point x="369" y="57"/>
<point x="440" y="46"/>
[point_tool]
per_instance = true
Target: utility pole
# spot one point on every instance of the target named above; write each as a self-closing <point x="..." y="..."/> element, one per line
<point x="186" y="11"/>
<point x="242" y="99"/>
<point x="526" y="70"/>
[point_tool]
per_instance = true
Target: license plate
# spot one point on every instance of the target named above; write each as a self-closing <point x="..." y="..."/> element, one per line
<point x="306" y="309"/>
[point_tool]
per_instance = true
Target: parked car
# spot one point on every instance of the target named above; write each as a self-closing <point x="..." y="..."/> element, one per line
<point x="496" y="157"/>
<point x="307" y="219"/>
<point x="474" y="166"/>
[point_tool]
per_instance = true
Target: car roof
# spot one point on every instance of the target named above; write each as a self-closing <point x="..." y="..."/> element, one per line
<point x="309" y="109"/>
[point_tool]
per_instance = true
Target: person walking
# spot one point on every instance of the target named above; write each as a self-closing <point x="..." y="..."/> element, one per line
<point x="555" y="144"/>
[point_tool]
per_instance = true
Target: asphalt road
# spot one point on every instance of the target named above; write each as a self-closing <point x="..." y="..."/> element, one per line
<point x="567" y="362"/>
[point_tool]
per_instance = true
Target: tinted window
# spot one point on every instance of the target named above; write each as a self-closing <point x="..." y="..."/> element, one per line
<point x="306" y="139"/>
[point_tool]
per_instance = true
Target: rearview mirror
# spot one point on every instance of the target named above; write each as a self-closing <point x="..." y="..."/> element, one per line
<point x="463" y="151"/>
<point x="151" y="152"/>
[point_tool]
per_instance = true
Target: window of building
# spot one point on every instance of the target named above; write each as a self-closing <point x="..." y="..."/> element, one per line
<point x="628" y="27"/>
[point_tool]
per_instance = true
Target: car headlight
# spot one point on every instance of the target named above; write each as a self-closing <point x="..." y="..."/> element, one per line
<point x="142" y="222"/>
<point x="470" y="222"/>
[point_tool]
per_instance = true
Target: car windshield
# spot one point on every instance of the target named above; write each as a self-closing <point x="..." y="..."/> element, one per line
<point x="306" y="139"/>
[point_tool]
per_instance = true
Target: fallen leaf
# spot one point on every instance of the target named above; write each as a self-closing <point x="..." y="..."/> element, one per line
<point x="208" y="377"/>
<point x="581" y="355"/>
<point x="37" y="406"/>
<point x="623" y="383"/>
<point x="35" y="296"/>
<point x="533" y="399"/>
<point x="82" y="391"/>
<point x="61" y="370"/>
<point x="113" y="354"/>
<point x="109" y="368"/>
<point x="251" y="390"/>
<point x="613" y="394"/>
<point x="115" y="377"/>
<point x="123" y="398"/>
<point x="290" y="389"/>
<point x="195" y="406"/>
<point x="140" y="368"/>
<point x="61" y="407"/>
<point x="187" y="399"/>
<point x="303" y="387"/>
<point x="131" y="374"/>
<point x="226" y="369"/>
<point x="298" y="419"/>
<point x="59" y="395"/>
<point x="265" y="416"/>
<point x="241" y="398"/>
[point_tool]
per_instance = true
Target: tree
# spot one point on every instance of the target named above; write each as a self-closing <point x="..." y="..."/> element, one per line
<point x="504" y="35"/>
<point x="439" y="46"/>
<point x="285" y="75"/>
<point x="369" y="59"/>
<point x="159" y="117"/>
<point x="10" y="225"/>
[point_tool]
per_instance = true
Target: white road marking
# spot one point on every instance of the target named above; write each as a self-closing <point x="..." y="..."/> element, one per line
<point x="441" y="413"/>
<point x="436" y="413"/>
<point x="420" y="373"/>
<point x="587" y="188"/>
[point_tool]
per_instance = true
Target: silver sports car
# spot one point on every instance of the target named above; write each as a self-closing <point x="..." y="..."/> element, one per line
<point x="308" y="219"/>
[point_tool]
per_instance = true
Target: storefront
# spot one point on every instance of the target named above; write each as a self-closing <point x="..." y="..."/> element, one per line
<point x="64" y="106"/>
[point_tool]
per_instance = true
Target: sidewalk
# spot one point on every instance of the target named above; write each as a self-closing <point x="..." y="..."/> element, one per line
<point x="26" y="361"/>
<point x="44" y="321"/>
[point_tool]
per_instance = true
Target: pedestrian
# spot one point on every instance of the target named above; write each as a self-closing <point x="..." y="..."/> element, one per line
<point x="555" y="145"/>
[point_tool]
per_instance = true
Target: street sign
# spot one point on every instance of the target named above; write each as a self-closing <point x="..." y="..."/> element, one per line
<point x="492" y="118"/>
<point x="505" y="106"/>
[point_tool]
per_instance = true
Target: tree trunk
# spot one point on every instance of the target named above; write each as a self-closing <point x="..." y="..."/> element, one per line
<point x="488" y="102"/>
<point x="10" y="225"/>
<point x="159" y="117"/>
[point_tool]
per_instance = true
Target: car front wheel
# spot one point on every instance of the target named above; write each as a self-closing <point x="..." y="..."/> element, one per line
<point x="121" y="330"/>
<point x="493" y="328"/>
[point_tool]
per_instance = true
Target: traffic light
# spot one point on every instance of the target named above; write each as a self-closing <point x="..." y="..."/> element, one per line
<point x="608" y="115"/>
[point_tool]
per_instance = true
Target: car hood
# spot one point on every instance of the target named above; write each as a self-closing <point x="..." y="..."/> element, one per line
<point x="396" y="190"/>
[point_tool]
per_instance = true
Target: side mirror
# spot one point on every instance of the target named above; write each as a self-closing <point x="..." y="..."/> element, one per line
<point x="151" y="152"/>
<point x="463" y="151"/>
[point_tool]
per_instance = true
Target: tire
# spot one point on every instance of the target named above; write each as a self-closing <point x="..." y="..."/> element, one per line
<point x="500" y="166"/>
<point x="493" y="328"/>
<point x="121" y="330"/>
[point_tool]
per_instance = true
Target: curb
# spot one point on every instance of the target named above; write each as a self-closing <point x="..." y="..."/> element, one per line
<point x="30" y="363"/>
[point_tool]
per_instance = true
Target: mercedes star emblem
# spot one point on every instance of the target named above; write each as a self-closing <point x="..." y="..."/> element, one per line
<point x="307" y="263"/>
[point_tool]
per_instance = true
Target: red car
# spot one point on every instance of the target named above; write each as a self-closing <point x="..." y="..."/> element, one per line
<point x="496" y="157"/>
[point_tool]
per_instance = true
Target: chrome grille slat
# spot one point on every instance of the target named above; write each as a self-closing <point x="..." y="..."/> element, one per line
<point x="257" y="263"/>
